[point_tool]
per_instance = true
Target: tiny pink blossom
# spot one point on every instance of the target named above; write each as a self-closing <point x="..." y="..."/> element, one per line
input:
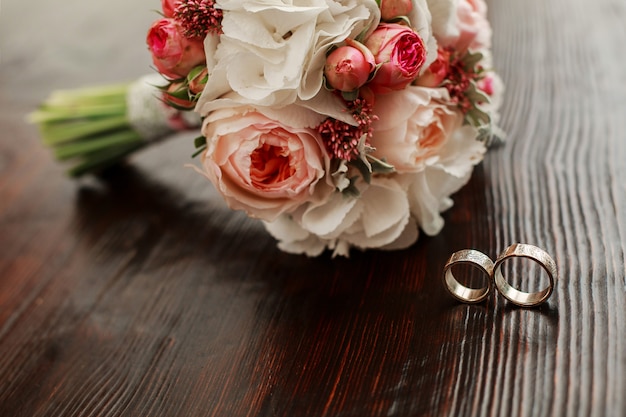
<point x="198" y="17"/>
<point x="486" y="85"/>
<point x="342" y="139"/>
<point x="400" y="52"/>
<point x="168" y="7"/>
<point x="349" y="67"/>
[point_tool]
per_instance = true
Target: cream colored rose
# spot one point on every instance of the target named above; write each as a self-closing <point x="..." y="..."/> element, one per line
<point x="413" y="126"/>
<point x="429" y="190"/>
<point x="378" y="218"/>
<point x="444" y="19"/>
<point x="262" y="166"/>
<point x="273" y="53"/>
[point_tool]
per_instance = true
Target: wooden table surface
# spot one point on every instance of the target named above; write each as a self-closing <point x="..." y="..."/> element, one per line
<point x="142" y="294"/>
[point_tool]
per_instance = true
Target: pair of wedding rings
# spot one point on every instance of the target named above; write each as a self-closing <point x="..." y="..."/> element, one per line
<point x="493" y="270"/>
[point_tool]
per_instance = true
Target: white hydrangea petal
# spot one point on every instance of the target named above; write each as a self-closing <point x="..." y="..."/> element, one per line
<point x="424" y="204"/>
<point x="363" y="240"/>
<point x="285" y="229"/>
<point x="408" y="237"/>
<point x="327" y="217"/>
<point x="384" y="205"/>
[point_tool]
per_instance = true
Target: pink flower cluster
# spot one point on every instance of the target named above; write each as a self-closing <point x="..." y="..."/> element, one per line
<point x="339" y="123"/>
<point x="176" y="43"/>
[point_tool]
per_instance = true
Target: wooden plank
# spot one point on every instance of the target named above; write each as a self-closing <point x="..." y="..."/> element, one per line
<point x="143" y="294"/>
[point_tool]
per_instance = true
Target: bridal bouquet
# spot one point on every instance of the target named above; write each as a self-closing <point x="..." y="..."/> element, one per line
<point x="338" y="123"/>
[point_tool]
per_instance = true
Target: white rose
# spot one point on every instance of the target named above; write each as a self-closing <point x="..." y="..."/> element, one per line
<point x="272" y="53"/>
<point x="444" y="19"/>
<point x="378" y="218"/>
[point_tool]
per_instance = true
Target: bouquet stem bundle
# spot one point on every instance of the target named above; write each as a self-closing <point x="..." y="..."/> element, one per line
<point x="95" y="127"/>
<point x="88" y="126"/>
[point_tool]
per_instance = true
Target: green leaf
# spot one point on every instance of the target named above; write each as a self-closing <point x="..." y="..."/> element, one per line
<point x="199" y="142"/>
<point x="350" y="95"/>
<point x="475" y="94"/>
<point x="380" y="166"/>
<point x="476" y="117"/>
<point x="198" y="151"/>
<point x="364" y="169"/>
<point x="351" y="191"/>
<point x="195" y="71"/>
<point x="471" y="59"/>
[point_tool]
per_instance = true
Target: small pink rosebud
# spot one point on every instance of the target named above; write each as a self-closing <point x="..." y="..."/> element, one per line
<point x="391" y="9"/>
<point x="173" y="54"/>
<point x="437" y="71"/>
<point x="169" y="6"/>
<point x="197" y="79"/>
<point x="349" y="67"/>
<point x="177" y="95"/>
<point x="400" y="53"/>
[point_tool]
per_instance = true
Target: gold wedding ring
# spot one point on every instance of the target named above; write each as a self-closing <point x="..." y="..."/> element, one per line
<point x="476" y="259"/>
<point x="518" y="297"/>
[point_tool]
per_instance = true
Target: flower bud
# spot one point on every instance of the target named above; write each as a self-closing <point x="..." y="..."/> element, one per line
<point x="400" y="53"/>
<point x="391" y="9"/>
<point x="437" y="71"/>
<point x="197" y="79"/>
<point x="173" y="54"/>
<point x="349" y="67"/>
<point x="177" y="95"/>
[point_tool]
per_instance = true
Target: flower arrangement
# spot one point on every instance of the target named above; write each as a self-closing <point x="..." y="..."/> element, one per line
<point x="340" y="124"/>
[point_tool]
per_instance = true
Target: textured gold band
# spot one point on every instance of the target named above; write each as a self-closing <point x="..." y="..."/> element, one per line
<point x="476" y="259"/>
<point x="518" y="297"/>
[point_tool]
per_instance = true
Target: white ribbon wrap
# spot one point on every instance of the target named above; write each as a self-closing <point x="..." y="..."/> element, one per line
<point x="149" y="116"/>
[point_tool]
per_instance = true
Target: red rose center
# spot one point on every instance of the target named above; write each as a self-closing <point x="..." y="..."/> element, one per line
<point x="270" y="165"/>
<point x="410" y="53"/>
<point x="344" y="66"/>
<point x="159" y="40"/>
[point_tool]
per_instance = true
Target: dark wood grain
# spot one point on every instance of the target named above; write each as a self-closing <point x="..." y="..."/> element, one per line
<point x="141" y="294"/>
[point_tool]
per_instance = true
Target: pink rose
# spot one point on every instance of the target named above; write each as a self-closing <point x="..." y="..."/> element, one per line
<point x="400" y="52"/>
<point x="390" y="9"/>
<point x="260" y="165"/>
<point x="169" y="7"/>
<point x="173" y="54"/>
<point x="413" y="126"/>
<point x="349" y="67"/>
